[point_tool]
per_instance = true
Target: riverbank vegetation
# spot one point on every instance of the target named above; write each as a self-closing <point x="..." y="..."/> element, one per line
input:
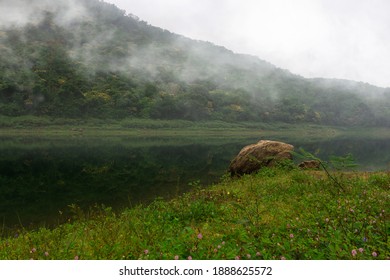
<point x="279" y="213"/>
<point x="49" y="126"/>
<point x="30" y="125"/>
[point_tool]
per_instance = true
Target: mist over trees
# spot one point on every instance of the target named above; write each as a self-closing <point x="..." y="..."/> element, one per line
<point x="88" y="58"/>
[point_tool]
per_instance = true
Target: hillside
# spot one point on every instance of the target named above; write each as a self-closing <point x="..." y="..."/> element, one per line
<point x="90" y="59"/>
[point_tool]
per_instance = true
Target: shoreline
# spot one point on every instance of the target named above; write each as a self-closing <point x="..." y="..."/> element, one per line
<point x="274" y="214"/>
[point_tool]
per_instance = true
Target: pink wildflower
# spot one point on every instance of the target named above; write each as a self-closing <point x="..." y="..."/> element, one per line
<point x="354" y="253"/>
<point x="189" y="258"/>
<point x="374" y="254"/>
<point x="46" y="254"/>
<point x="176" y="257"/>
<point x="200" y="236"/>
<point x="361" y="250"/>
<point x="291" y="235"/>
<point x="146" y="251"/>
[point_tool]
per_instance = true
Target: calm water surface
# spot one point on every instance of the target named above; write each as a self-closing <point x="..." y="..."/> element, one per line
<point x="39" y="178"/>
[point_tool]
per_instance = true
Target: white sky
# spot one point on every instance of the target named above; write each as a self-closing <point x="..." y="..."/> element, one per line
<point x="345" y="39"/>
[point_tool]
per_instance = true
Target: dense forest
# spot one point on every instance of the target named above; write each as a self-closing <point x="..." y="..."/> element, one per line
<point x="88" y="58"/>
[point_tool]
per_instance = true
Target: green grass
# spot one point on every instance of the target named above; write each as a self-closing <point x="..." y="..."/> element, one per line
<point x="44" y="126"/>
<point x="280" y="213"/>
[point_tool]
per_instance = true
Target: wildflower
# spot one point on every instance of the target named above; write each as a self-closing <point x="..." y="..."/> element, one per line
<point x="176" y="257"/>
<point x="354" y="252"/>
<point x="146" y="251"/>
<point x="200" y="236"/>
<point x="283" y="258"/>
<point x="374" y="254"/>
<point x="248" y="256"/>
<point x="291" y="235"/>
<point x="33" y="250"/>
<point x="237" y="258"/>
<point x="223" y="243"/>
<point x="219" y="246"/>
<point x="189" y="258"/>
<point x="46" y="254"/>
<point x="76" y="258"/>
<point x="327" y="220"/>
<point x="258" y="254"/>
<point x="361" y="250"/>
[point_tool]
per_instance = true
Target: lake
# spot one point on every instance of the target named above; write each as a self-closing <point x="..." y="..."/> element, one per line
<point x="40" y="177"/>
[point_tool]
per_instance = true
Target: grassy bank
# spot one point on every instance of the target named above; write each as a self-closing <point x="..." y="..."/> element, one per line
<point x="33" y="126"/>
<point x="278" y="213"/>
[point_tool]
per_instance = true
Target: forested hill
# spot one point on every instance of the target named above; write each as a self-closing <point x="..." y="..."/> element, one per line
<point x="87" y="58"/>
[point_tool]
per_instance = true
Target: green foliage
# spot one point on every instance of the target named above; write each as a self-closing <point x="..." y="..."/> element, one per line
<point x="343" y="163"/>
<point x="112" y="65"/>
<point x="275" y="214"/>
<point x="340" y="163"/>
<point x="336" y="163"/>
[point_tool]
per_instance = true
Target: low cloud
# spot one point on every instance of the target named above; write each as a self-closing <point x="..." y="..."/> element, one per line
<point x="17" y="13"/>
<point x="315" y="38"/>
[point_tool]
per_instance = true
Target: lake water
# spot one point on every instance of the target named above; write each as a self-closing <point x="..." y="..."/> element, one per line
<point x="40" y="177"/>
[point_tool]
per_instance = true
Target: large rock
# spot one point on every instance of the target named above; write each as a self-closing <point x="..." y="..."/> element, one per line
<point x="265" y="153"/>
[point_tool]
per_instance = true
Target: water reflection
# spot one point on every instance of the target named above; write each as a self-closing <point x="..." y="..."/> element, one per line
<point x="40" y="177"/>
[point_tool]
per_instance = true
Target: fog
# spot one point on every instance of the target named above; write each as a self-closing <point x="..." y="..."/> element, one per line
<point x="22" y="12"/>
<point x="315" y="38"/>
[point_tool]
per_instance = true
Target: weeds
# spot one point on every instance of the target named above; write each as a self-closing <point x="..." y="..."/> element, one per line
<point x="335" y="163"/>
<point x="279" y="213"/>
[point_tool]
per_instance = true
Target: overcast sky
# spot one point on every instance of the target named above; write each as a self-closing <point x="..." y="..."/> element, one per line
<point x="346" y="39"/>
